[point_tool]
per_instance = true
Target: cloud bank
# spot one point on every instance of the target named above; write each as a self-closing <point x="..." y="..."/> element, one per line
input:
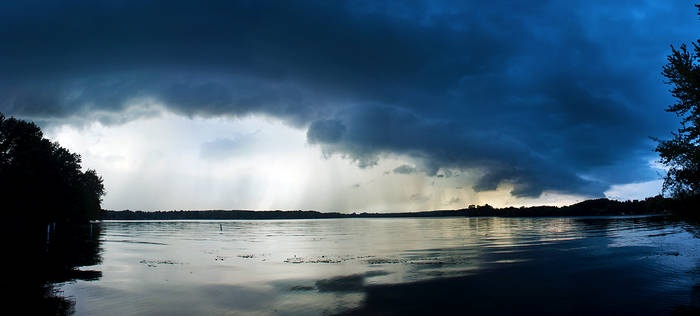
<point x="541" y="96"/>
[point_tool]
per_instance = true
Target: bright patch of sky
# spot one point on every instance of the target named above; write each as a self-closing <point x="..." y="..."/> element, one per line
<point x="168" y="161"/>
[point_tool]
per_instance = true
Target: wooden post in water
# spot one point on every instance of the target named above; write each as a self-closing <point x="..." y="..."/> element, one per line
<point x="48" y="236"/>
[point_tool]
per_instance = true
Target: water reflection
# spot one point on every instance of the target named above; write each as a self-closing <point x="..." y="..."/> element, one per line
<point x="390" y="266"/>
<point x="56" y="254"/>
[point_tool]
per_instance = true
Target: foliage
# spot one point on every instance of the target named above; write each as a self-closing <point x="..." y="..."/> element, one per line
<point x="652" y="205"/>
<point x="42" y="181"/>
<point x="681" y="154"/>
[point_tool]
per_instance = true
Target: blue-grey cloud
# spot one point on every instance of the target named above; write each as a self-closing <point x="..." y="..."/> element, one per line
<point x="542" y="95"/>
<point x="325" y="131"/>
<point x="404" y="169"/>
<point x="222" y="148"/>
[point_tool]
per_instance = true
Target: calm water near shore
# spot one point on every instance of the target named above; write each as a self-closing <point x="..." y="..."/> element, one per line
<point x="636" y="265"/>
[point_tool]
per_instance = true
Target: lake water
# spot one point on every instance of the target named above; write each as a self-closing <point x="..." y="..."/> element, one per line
<point x="635" y="265"/>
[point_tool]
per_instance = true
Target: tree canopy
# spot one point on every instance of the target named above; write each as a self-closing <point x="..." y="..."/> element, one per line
<point x="42" y="181"/>
<point x="681" y="154"/>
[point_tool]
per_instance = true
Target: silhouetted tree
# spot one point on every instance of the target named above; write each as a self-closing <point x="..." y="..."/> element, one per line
<point x="682" y="153"/>
<point x="42" y="181"/>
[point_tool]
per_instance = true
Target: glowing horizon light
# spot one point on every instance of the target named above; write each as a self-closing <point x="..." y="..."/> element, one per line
<point x="168" y="161"/>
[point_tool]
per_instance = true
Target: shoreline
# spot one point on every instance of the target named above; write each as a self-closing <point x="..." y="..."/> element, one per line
<point x="598" y="207"/>
<point x="208" y="220"/>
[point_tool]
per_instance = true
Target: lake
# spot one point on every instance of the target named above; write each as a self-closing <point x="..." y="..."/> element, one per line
<point x="576" y="265"/>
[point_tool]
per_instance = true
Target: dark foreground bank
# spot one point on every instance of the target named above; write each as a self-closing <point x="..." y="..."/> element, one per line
<point x="597" y="207"/>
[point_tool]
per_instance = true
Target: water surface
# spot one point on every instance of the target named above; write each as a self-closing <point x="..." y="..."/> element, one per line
<point x="634" y="265"/>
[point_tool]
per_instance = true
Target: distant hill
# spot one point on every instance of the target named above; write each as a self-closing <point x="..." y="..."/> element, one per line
<point x="596" y="207"/>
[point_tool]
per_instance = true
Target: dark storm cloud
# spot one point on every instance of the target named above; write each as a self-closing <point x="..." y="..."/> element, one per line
<point x="325" y="131"/>
<point x="540" y="95"/>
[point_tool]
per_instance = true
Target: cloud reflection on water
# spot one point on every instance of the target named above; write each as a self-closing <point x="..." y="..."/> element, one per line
<point x="346" y="265"/>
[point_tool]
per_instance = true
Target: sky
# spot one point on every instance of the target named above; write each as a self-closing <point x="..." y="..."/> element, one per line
<point x="349" y="105"/>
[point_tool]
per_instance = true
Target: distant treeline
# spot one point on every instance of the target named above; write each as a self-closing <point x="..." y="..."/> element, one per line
<point x="597" y="207"/>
